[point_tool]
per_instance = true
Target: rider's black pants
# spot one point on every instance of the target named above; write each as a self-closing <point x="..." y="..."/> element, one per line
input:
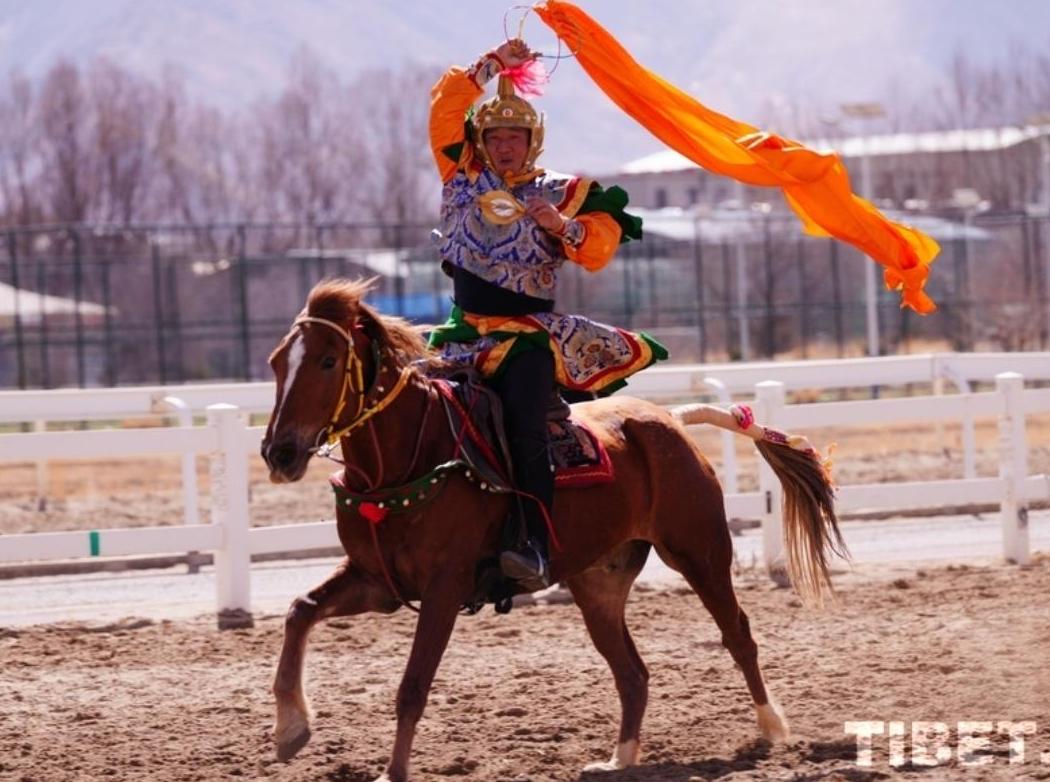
<point x="525" y="387"/>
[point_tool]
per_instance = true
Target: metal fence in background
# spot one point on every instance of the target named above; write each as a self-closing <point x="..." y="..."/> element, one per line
<point x="102" y="305"/>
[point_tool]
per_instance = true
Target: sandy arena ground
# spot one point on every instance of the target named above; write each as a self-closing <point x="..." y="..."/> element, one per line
<point x="526" y="697"/>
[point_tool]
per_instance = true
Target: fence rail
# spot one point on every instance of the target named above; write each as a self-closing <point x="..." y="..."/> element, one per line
<point x="227" y="439"/>
<point x="660" y="383"/>
<point x="110" y="305"/>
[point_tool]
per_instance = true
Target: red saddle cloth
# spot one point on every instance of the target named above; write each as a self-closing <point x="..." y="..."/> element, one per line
<point x="580" y="458"/>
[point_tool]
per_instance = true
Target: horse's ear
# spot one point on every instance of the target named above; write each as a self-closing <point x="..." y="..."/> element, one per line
<point x="357" y="292"/>
<point x="369" y="320"/>
<point x="366" y="286"/>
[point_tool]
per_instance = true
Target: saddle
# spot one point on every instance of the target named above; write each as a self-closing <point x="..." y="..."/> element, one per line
<point x="476" y="415"/>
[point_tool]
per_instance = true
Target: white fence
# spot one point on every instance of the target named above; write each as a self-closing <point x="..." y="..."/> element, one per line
<point x="227" y="439"/>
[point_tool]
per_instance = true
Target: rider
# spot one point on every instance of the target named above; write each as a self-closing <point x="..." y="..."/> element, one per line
<point x="506" y="228"/>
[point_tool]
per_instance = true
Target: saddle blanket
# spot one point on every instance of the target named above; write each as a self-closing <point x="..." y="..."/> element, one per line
<point x="580" y="459"/>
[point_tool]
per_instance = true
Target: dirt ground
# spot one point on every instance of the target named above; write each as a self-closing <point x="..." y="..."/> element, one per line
<point x="146" y="492"/>
<point x="525" y="697"/>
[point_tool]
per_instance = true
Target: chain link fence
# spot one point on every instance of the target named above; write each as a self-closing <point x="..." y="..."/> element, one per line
<point x="104" y="306"/>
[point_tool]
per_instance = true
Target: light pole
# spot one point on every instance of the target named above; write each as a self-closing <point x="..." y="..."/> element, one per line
<point x="1042" y="122"/>
<point x="740" y="254"/>
<point x="868" y="111"/>
<point x="969" y="203"/>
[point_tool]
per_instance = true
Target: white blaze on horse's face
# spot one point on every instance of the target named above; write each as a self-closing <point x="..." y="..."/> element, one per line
<point x="292" y="431"/>
<point x="295" y="353"/>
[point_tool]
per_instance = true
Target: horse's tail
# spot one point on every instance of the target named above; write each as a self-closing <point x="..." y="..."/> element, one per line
<point x="811" y="528"/>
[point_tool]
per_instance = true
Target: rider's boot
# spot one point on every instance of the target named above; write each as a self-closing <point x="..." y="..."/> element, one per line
<point x="527" y="560"/>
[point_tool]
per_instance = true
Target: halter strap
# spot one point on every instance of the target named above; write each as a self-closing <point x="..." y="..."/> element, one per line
<point x="353" y="380"/>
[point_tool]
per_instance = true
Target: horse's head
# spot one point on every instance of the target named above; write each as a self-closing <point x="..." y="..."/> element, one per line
<point x="320" y="368"/>
<point x="328" y="370"/>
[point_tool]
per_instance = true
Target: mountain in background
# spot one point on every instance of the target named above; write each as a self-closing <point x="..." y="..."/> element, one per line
<point x="757" y="60"/>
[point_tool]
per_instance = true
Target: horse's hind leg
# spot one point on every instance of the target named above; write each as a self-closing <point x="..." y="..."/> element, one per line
<point x="711" y="579"/>
<point x="343" y="593"/>
<point x="601" y="593"/>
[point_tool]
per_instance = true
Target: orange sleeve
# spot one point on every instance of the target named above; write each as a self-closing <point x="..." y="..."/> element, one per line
<point x="450" y="99"/>
<point x="601" y="238"/>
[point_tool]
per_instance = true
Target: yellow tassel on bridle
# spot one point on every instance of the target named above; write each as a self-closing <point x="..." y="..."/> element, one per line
<point x="353" y="381"/>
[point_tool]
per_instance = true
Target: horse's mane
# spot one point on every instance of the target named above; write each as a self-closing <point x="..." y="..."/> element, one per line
<point x="342" y="301"/>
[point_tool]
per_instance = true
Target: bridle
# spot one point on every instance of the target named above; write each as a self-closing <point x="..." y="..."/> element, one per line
<point x="354" y="384"/>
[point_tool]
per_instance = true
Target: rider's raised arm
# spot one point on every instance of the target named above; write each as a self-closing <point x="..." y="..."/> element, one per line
<point x="450" y="100"/>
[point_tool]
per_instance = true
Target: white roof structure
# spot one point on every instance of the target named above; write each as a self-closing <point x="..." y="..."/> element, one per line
<point x="33" y="306"/>
<point x="978" y="140"/>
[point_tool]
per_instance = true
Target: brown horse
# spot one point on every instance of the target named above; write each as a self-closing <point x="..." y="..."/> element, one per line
<point x="344" y="373"/>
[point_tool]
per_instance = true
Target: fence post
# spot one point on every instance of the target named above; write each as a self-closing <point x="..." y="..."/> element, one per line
<point x="229" y="510"/>
<point x="769" y="398"/>
<point x="1013" y="468"/>
<point x="190" y="505"/>
<point x="729" y="469"/>
<point x="969" y="438"/>
<point x="43" y="474"/>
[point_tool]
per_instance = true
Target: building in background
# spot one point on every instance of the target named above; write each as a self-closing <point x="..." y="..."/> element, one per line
<point x="909" y="171"/>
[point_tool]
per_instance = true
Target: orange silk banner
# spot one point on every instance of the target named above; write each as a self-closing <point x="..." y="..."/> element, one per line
<point x="815" y="185"/>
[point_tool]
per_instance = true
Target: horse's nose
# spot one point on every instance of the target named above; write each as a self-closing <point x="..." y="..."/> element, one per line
<point x="281" y="456"/>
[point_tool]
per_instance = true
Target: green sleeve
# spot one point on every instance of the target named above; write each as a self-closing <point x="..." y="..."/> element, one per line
<point x="453" y="151"/>
<point x="612" y="202"/>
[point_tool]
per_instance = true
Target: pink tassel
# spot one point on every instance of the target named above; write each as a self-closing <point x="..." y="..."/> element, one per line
<point x="743" y="415"/>
<point x="529" y="78"/>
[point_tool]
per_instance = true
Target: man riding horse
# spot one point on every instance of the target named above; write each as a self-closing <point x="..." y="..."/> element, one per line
<point x="506" y="229"/>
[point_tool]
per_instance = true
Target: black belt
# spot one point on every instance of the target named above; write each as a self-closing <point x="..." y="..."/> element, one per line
<point x="480" y="297"/>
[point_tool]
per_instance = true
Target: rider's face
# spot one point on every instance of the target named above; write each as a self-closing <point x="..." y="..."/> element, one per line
<point x="507" y="148"/>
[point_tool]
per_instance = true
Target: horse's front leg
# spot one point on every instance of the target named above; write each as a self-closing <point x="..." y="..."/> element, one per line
<point x="343" y="593"/>
<point x="437" y="617"/>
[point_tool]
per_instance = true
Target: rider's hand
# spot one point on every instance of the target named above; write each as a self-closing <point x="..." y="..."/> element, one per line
<point x="515" y="52"/>
<point x="544" y="213"/>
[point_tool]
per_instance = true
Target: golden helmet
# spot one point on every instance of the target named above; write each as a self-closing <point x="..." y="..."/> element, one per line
<point x="507" y="110"/>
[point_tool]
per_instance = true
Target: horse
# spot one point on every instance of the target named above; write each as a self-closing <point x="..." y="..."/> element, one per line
<point x="346" y="374"/>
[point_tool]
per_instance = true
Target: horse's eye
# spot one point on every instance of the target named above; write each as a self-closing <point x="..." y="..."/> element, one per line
<point x="328" y="362"/>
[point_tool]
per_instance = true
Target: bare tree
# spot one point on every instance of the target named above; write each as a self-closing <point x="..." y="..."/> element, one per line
<point x="307" y="146"/>
<point x="65" y="126"/>
<point x="171" y="196"/>
<point x="18" y="149"/>
<point x="122" y="106"/>
<point x="400" y="176"/>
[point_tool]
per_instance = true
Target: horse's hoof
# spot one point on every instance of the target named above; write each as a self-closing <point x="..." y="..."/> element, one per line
<point x="288" y="748"/>
<point x="772" y="723"/>
<point x="626" y="756"/>
<point x="602" y="765"/>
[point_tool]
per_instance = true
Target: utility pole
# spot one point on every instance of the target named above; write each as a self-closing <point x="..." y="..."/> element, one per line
<point x="740" y="252"/>
<point x="1044" y="144"/>
<point x="1041" y="122"/>
<point x="868" y="111"/>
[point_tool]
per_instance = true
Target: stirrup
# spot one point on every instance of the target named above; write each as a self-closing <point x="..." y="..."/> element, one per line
<point x="529" y="568"/>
